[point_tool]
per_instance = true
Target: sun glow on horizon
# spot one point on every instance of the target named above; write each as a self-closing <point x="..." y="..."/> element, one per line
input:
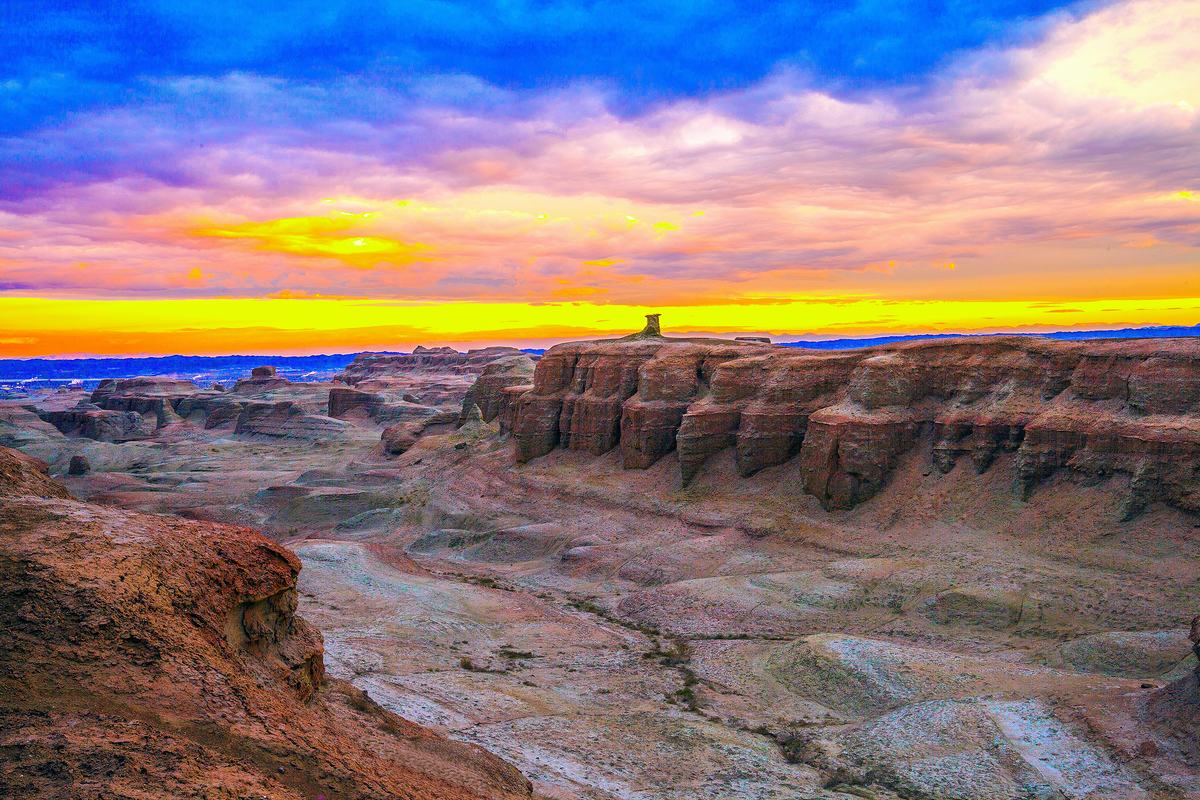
<point x="325" y="324"/>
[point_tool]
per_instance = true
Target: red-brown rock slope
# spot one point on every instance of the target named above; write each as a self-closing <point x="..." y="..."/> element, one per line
<point x="153" y="657"/>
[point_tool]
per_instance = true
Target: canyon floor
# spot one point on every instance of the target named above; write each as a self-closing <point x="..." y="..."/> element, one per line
<point x="613" y="634"/>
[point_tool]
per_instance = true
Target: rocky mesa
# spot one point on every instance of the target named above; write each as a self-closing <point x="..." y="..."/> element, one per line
<point x="1096" y="409"/>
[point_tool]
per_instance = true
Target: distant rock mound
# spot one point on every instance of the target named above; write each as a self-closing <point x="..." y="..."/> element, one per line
<point x="371" y="366"/>
<point x="89" y="422"/>
<point x="154" y="657"/>
<point x="1095" y="408"/>
<point x="261" y="379"/>
<point x="285" y="419"/>
<point x="345" y="402"/>
<point x="129" y="389"/>
<point x="121" y="410"/>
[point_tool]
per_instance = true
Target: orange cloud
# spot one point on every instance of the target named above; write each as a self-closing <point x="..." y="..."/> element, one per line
<point x="335" y="237"/>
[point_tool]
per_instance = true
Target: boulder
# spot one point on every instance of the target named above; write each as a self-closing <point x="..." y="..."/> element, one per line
<point x="400" y="437"/>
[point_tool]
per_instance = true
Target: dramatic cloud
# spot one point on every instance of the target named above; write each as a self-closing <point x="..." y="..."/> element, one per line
<point x="1059" y="162"/>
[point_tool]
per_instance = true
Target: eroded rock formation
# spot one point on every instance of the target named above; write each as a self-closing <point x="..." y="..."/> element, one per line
<point x="153" y="657"/>
<point x="261" y="379"/>
<point x="131" y="391"/>
<point x="371" y="366"/>
<point x="285" y="419"/>
<point x="1094" y="408"/>
<point x="345" y="402"/>
<point x="90" y="422"/>
<point x="401" y="436"/>
<point x="124" y="410"/>
<point x="490" y="391"/>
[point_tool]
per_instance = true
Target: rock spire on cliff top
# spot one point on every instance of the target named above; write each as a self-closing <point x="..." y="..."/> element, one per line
<point x="653" y="330"/>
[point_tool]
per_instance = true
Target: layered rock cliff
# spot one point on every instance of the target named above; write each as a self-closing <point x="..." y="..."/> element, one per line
<point x="1095" y="409"/>
<point x="153" y="657"/>
<point x="490" y="391"/>
<point x="123" y="410"/>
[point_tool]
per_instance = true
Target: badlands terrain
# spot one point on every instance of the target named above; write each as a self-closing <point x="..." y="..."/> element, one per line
<point x="646" y="568"/>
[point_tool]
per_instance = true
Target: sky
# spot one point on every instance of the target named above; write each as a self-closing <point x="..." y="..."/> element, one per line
<point x="217" y="177"/>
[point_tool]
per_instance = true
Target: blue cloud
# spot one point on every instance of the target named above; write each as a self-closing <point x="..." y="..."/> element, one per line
<point x="95" y="90"/>
<point x="70" y="55"/>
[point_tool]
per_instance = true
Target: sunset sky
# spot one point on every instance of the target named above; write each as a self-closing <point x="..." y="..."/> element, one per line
<point x="212" y="177"/>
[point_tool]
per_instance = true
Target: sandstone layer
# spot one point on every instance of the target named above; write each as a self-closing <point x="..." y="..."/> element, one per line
<point x="1094" y="409"/>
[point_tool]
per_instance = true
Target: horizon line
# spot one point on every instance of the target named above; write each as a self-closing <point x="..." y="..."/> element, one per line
<point x="814" y="339"/>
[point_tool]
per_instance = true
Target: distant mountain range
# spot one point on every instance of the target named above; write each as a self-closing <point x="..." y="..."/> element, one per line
<point x="1156" y="332"/>
<point x="48" y="371"/>
<point x="198" y="368"/>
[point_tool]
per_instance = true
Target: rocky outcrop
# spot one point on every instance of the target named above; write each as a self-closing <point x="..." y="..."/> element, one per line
<point x="90" y="422"/>
<point x="508" y="403"/>
<point x="284" y="419"/>
<point x="581" y="391"/>
<point x="1094" y="409"/>
<point x="153" y="398"/>
<point x="346" y="402"/>
<point x="22" y="475"/>
<point x="401" y="436"/>
<point x="343" y="401"/>
<point x="430" y="377"/>
<point x="210" y="409"/>
<point x="489" y="390"/>
<point x="371" y="366"/>
<point x="1173" y="713"/>
<point x="261" y="379"/>
<point x="140" y="387"/>
<point x="153" y="657"/>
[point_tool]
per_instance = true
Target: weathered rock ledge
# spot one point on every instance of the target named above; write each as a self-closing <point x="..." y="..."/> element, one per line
<point x="1095" y="409"/>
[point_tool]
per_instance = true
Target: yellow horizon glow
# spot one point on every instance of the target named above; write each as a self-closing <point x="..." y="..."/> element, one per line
<point x="62" y="327"/>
